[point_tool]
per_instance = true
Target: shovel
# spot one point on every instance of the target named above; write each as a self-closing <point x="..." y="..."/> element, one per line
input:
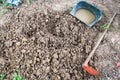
<point x="85" y="65"/>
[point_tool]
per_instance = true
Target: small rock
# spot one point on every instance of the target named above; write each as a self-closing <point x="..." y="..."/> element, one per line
<point x="57" y="16"/>
<point x="56" y="62"/>
<point x="57" y="29"/>
<point x="48" y="60"/>
<point x="88" y="48"/>
<point x="17" y="67"/>
<point x="28" y="65"/>
<point x="37" y="59"/>
<point x="46" y="20"/>
<point x="55" y="56"/>
<point x="33" y="38"/>
<point x="91" y="62"/>
<point x="23" y="51"/>
<point x="18" y="43"/>
<point x="47" y="69"/>
<point x="8" y="43"/>
<point x="55" y="70"/>
<point x="38" y="51"/>
<point x="42" y="40"/>
<point x="38" y="72"/>
<point x="24" y="40"/>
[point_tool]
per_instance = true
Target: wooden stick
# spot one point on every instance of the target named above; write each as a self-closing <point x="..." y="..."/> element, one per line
<point x="98" y="42"/>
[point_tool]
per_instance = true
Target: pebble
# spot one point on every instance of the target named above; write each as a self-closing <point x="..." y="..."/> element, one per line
<point x="24" y="39"/>
<point x="56" y="63"/>
<point x="55" y="70"/>
<point x="18" y="43"/>
<point x="37" y="59"/>
<point x="48" y="60"/>
<point x="47" y="69"/>
<point x="23" y="51"/>
<point x="33" y="38"/>
<point x="55" y="56"/>
<point x="46" y="20"/>
<point x="57" y="16"/>
<point x="38" y="72"/>
<point x="8" y="43"/>
<point x="17" y="66"/>
<point x="88" y="48"/>
<point x="42" y="40"/>
<point x="38" y="51"/>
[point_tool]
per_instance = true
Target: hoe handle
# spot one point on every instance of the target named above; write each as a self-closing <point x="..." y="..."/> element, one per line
<point x="98" y="42"/>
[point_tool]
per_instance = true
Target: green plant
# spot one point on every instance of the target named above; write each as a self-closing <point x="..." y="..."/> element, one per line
<point x="2" y="1"/>
<point x="17" y="77"/>
<point x="5" y="4"/>
<point x="31" y="0"/>
<point x="105" y="26"/>
<point x="4" y="7"/>
<point x="1" y="77"/>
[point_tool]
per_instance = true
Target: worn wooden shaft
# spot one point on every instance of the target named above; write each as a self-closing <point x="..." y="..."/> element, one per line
<point x="98" y="42"/>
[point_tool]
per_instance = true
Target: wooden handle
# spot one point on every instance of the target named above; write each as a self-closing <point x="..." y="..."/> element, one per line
<point x="98" y="42"/>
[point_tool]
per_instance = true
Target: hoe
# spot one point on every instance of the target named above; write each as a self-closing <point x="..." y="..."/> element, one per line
<point x="85" y="65"/>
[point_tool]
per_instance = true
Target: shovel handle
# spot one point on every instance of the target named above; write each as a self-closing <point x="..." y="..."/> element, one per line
<point x="98" y="42"/>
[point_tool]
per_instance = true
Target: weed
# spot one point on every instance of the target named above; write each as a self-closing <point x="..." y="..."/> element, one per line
<point x="4" y="7"/>
<point x="1" y="77"/>
<point x="31" y="0"/>
<point x="17" y="77"/>
<point x="105" y="26"/>
<point x="2" y="1"/>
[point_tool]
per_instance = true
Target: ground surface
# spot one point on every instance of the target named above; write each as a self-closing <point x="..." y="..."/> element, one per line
<point x="44" y="42"/>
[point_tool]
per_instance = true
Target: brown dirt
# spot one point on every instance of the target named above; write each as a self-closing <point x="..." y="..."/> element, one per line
<point x="43" y="46"/>
<point x="50" y="44"/>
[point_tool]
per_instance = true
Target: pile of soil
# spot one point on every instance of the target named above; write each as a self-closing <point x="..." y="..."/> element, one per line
<point x="45" y="46"/>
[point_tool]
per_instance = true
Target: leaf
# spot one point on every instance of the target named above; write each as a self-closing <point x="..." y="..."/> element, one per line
<point x="17" y="77"/>
<point x="8" y="5"/>
<point x="1" y="77"/>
